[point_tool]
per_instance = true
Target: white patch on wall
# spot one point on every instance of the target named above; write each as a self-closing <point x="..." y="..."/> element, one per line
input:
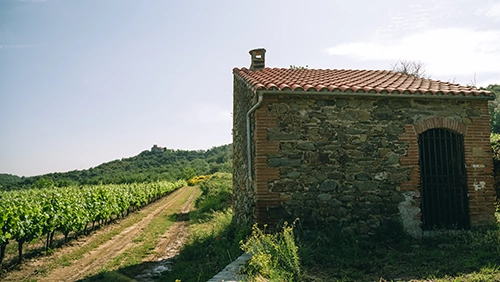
<point x="479" y="185"/>
<point x="408" y="212"/>
<point x="478" y="165"/>
<point x="381" y="176"/>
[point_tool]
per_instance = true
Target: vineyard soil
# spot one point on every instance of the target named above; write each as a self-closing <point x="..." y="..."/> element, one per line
<point x="92" y="262"/>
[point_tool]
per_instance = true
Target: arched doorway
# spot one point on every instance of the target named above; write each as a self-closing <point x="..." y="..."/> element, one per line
<point x="443" y="180"/>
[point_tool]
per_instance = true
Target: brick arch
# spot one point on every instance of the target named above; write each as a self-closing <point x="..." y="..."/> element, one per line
<point x="411" y="158"/>
<point x="440" y="122"/>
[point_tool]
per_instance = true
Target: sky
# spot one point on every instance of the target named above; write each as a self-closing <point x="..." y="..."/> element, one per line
<point x="84" y="82"/>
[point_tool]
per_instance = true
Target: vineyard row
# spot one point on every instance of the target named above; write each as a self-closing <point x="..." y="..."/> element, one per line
<point x="29" y="214"/>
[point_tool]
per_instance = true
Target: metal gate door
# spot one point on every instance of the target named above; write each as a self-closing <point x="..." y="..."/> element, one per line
<point x="443" y="180"/>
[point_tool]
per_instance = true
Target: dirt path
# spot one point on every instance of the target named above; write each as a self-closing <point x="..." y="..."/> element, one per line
<point x="168" y="247"/>
<point x="93" y="260"/>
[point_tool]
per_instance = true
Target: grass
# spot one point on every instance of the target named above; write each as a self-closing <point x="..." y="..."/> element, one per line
<point x="389" y="255"/>
<point x="213" y="244"/>
<point x="331" y="255"/>
<point x="112" y="276"/>
<point x="214" y="237"/>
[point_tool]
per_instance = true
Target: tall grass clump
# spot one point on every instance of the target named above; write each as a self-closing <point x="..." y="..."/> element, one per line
<point x="274" y="256"/>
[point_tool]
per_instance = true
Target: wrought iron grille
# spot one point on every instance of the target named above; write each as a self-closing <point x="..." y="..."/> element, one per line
<point x="443" y="180"/>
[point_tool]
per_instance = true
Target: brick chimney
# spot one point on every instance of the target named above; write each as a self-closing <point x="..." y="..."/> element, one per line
<point x="258" y="59"/>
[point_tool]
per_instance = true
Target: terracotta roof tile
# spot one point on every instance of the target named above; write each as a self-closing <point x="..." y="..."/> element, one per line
<point x="358" y="81"/>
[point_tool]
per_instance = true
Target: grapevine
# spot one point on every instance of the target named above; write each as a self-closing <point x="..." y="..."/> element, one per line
<point x="25" y="215"/>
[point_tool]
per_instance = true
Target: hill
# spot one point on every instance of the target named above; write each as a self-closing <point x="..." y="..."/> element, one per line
<point x="158" y="163"/>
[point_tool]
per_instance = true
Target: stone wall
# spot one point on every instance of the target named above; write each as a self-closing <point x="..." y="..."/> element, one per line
<point x="243" y="189"/>
<point x="351" y="161"/>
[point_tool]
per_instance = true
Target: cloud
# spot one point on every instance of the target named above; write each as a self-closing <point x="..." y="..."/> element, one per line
<point x="492" y="12"/>
<point x="445" y="51"/>
<point x="413" y="19"/>
<point x="15" y="46"/>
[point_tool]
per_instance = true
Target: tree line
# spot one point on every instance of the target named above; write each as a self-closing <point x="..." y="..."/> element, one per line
<point x="148" y="166"/>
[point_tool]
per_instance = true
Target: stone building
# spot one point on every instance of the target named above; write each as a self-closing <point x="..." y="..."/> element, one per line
<point x="359" y="148"/>
<point x="157" y="149"/>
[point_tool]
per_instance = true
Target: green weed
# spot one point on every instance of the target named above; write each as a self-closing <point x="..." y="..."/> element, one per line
<point x="274" y="256"/>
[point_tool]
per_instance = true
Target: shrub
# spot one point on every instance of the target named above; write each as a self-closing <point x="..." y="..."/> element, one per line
<point x="215" y="193"/>
<point x="197" y="179"/>
<point x="274" y="256"/>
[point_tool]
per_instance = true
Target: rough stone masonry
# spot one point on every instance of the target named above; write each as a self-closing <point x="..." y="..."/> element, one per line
<point x="350" y="161"/>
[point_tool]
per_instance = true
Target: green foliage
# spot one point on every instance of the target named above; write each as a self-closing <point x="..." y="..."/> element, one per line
<point x="495" y="146"/>
<point x="43" y="182"/>
<point x="494" y="108"/>
<point x="274" y="256"/>
<point x="188" y="173"/>
<point x="148" y="166"/>
<point x="9" y="180"/>
<point x="28" y="214"/>
<point x="215" y="193"/>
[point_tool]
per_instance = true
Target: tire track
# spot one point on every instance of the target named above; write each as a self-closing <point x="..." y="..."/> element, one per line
<point x="174" y="238"/>
<point x="168" y="246"/>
